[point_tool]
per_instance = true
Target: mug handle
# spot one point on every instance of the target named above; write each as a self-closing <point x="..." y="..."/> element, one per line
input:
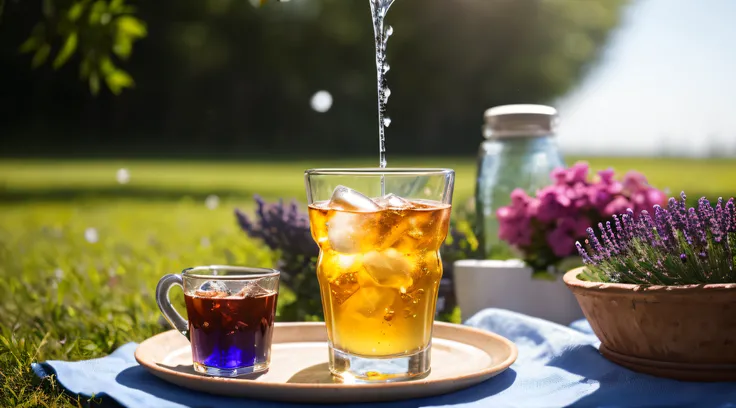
<point x="164" y="303"/>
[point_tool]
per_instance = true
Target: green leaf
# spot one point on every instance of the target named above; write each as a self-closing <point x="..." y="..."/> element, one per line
<point x="48" y="8"/>
<point x="85" y="67"/>
<point x="76" y="10"/>
<point x="116" y="5"/>
<point x="70" y="45"/>
<point x="31" y="44"/>
<point x="119" y="80"/>
<point x="123" y="47"/>
<point x="36" y="39"/>
<point x="106" y="66"/>
<point x="131" y="26"/>
<point x="94" y="83"/>
<point x="41" y="55"/>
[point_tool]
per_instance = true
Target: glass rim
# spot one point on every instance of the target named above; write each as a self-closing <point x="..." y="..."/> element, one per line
<point x="377" y="171"/>
<point x="241" y="272"/>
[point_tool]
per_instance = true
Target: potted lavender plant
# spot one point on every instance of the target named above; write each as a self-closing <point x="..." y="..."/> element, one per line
<point x="660" y="292"/>
<point x="543" y="229"/>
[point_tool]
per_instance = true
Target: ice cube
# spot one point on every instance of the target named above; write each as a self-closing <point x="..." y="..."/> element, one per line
<point x="213" y="289"/>
<point x="394" y="202"/>
<point x="349" y="232"/>
<point x="345" y="286"/>
<point x="389" y="268"/>
<point x="253" y="290"/>
<point x="347" y="199"/>
<point x="371" y="301"/>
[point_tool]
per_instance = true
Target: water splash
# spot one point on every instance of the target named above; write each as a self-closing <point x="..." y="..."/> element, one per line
<point x="379" y="8"/>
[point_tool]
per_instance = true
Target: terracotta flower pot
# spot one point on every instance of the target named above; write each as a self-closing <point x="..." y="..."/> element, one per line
<point x="682" y="332"/>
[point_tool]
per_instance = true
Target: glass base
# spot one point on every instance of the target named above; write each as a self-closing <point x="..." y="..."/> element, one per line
<point x="230" y="372"/>
<point x="352" y="368"/>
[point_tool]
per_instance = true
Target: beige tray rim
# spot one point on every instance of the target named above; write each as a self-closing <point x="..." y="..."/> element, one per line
<point x="495" y="369"/>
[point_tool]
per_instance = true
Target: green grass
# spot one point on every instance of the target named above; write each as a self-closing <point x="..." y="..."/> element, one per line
<point x="25" y="179"/>
<point x="66" y="298"/>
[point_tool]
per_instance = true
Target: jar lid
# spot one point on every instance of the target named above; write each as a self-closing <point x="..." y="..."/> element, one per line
<point x="520" y="121"/>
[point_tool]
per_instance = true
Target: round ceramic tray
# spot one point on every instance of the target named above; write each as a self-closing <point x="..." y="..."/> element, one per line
<point x="461" y="357"/>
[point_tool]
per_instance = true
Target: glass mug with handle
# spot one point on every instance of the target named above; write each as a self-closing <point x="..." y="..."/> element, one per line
<point x="231" y="314"/>
<point x="379" y="270"/>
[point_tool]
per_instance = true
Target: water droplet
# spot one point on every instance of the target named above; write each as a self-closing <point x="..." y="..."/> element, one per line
<point x="386" y="67"/>
<point x="386" y="122"/>
<point x="386" y="95"/>
<point x="389" y="31"/>
<point x="122" y="176"/>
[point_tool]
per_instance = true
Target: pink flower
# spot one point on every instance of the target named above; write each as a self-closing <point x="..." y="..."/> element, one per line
<point x="575" y="226"/>
<point x="619" y="205"/>
<point x="519" y="197"/>
<point x="514" y="227"/>
<point x="561" y="242"/>
<point x="578" y="173"/>
<point x="558" y="215"/>
<point x="606" y="176"/>
<point x="634" y="181"/>
<point x="559" y="175"/>
<point x="656" y="197"/>
<point x="553" y="203"/>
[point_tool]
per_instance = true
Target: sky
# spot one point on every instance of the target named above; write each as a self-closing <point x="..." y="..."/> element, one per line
<point x="666" y="84"/>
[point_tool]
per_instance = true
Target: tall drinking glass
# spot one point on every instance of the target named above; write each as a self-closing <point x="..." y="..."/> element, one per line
<point x="379" y="269"/>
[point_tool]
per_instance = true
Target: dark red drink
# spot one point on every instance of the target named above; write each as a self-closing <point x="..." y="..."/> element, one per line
<point x="229" y="332"/>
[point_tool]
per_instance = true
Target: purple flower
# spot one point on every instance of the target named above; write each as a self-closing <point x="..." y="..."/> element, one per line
<point x="679" y="245"/>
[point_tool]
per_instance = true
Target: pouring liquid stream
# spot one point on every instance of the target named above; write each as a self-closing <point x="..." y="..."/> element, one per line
<point x="379" y="9"/>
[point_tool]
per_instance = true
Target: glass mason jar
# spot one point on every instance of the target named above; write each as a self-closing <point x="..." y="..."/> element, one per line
<point x="519" y="152"/>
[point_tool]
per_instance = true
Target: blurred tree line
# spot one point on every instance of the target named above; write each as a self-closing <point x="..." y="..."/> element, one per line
<point x="211" y="77"/>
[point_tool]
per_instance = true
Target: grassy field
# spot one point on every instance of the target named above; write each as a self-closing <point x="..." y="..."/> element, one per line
<point x="48" y="180"/>
<point x="80" y="253"/>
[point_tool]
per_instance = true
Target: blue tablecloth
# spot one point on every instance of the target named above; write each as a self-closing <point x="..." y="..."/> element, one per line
<point x="557" y="366"/>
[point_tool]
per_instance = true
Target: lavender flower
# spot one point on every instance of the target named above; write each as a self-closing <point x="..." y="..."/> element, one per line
<point x="679" y="246"/>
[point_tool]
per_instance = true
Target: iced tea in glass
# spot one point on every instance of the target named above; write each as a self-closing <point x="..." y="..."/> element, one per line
<point x="379" y="269"/>
<point x="230" y="312"/>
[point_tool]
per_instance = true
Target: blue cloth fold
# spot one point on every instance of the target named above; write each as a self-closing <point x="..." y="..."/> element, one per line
<point x="557" y="366"/>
